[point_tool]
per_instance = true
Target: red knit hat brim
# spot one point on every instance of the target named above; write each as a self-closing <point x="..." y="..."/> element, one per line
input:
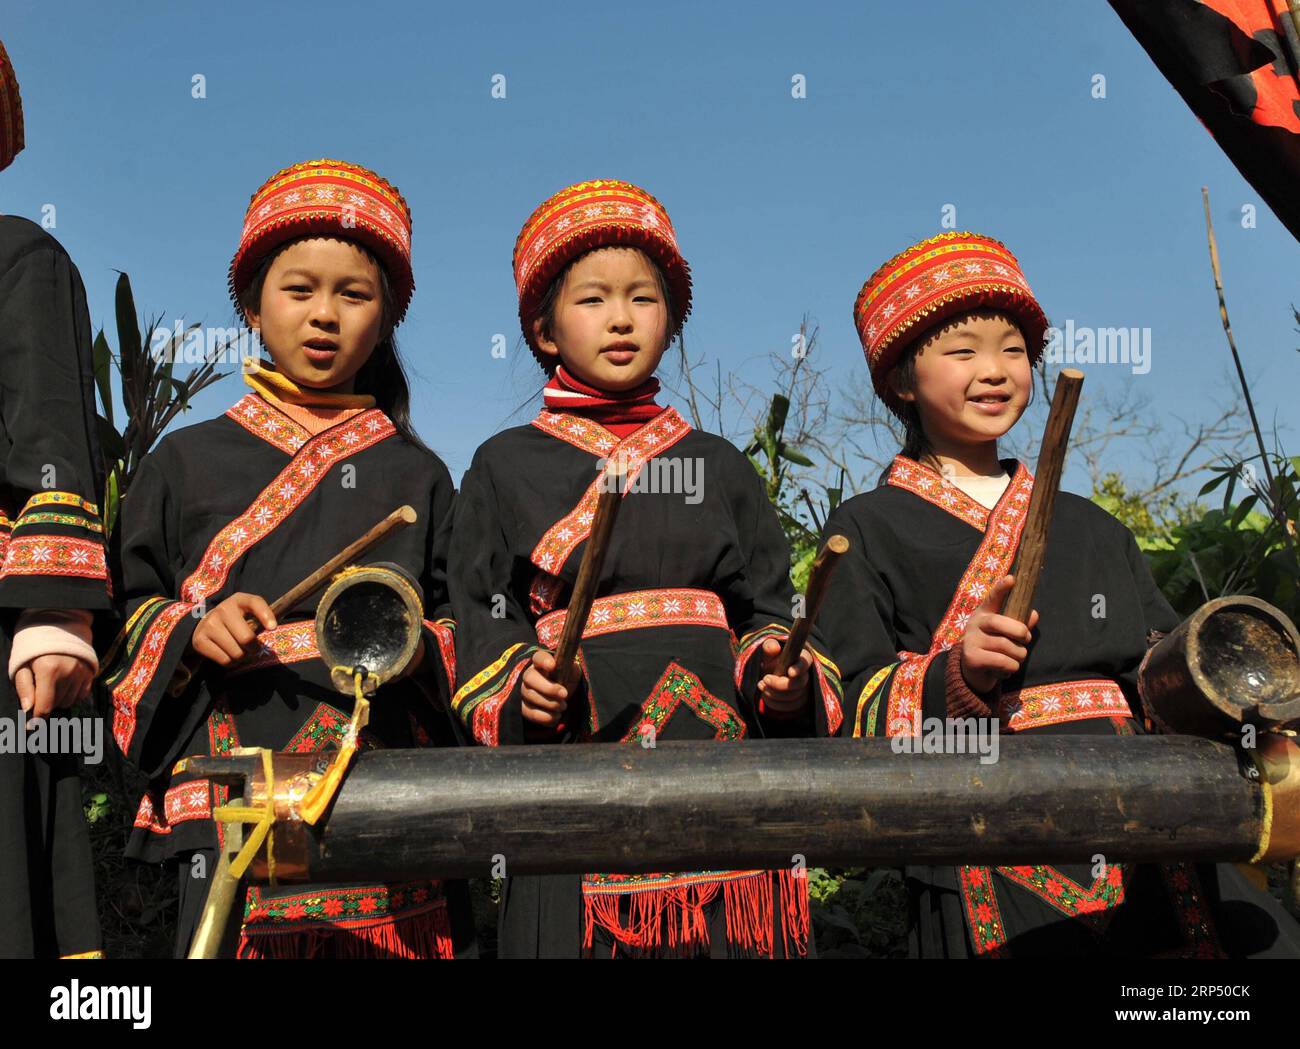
<point x="12" y="137"/>
<point x="624" y="216"/>
<point x="926" y="286"/>
<point x="328" y="198"/>
<point x="1029" y="319"/>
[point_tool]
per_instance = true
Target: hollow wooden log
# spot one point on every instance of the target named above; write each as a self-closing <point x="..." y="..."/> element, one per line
<point x="403" y="815"/>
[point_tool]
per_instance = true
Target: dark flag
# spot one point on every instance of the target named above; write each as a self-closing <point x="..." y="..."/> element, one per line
<point x="1237" y="65"/>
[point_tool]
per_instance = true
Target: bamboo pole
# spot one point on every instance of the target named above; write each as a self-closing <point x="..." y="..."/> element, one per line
<point x="455" y="811"/>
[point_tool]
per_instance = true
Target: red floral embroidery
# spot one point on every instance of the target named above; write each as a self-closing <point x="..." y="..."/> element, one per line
<point x="286" y="643"/>
<point x="325" y="728"/>
<point x="445" y="632"/>
<point x="983" y="916"/>
<point x="676" y="686"/>
<point x="342" y="907"/>
<point x="223" y="737"/>
<point x="936" y="489"/>
<point x="282" y="496"/>
<point x="1065" y="894"/>
<point x="578" y="431"/>
<point x="993" y="559"/>
<point x="485" y="722"/>
<point x="638" y="448"/>
<point x="132" y="686"/>
<point x="615" y="884"/>
<point x="274" y="427"/>
<point x="640" y="608"/>
<point x="1041" y="705"/>
<point x="1200" y="939"/>
<point x="1095" y="903"/>
<point x="913" y="288"/>
<point x="54" y="555"/>
<point x="184" y="802"/>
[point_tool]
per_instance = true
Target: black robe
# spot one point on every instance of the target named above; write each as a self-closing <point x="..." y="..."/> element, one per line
<point x="691" y="586"/>
<point x="923" y="555"/>
<point x="51" y="556"/>
<point x="251" y="502"/>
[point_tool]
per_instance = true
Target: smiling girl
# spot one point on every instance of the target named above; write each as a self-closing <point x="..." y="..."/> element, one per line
<point x="952" y="332"/>
<point x="692" y="605"/>
<point x="226" y="515"/>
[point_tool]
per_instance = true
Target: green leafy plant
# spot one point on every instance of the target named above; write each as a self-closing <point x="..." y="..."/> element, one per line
<point x="858" y="913"/>
<point x="1244" y="547"/>
<point x="151" y="395"/>
<point x="773" y="458"/>
<point x="98" y="807"/>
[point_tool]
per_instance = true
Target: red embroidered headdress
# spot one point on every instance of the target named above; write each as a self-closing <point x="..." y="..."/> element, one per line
<point x="599" y="214"/>
<point x="330" y="198"/>
<point x="11" y="112"/>
<point x="932" y="281"/>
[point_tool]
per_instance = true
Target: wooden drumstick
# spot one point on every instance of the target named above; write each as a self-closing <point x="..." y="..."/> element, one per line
<point x="1047" y="479"/>
<point x="824" y="564"/>
<point x="584" y="588"/>
<point x="398" y="519"/>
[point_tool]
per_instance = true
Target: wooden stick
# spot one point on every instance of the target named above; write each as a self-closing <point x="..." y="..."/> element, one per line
<point x="584" y="588"/>
<point x="824" y="564"/>
<point x="1047" y="479"/>
<point x="398" y="519"/>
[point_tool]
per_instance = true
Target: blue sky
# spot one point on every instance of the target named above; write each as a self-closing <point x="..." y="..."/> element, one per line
<point x="782" y="206"/>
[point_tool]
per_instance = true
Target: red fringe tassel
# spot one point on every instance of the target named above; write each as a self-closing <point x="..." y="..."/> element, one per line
<point x="417" y="936"/>
<point x="673" y="922"/>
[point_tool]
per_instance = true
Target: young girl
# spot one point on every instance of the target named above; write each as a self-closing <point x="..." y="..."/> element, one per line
<point x="53" y="576"/>
<point x="227" y="515"/>
<point x="694" y="599"/>
<point x="951" y="332"/>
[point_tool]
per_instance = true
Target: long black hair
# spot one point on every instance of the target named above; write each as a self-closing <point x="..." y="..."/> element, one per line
<point x="383" y="376"/>
<point x="916" y="445"/>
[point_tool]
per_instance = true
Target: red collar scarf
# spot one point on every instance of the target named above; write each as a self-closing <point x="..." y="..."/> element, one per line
<point x="620" y="412"/>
